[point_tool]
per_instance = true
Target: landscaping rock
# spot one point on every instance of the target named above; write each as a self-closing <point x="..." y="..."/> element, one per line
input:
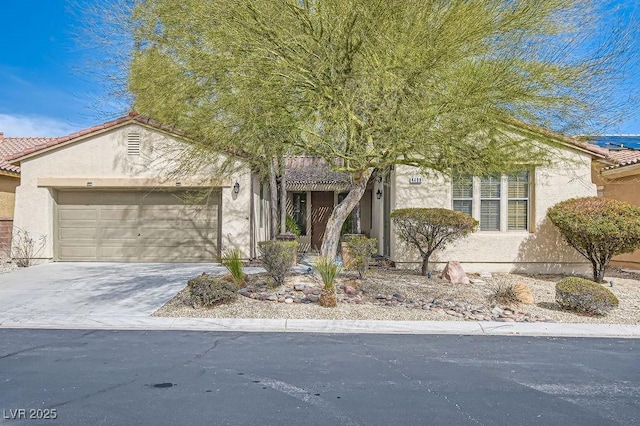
<point x="454" y="273"/>
<point x="349" y="290"/>
<point x="523" y="293"/>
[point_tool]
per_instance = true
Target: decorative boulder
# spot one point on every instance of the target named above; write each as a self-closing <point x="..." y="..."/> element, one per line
<point x="454" y="273"/>
<point x="523" y="293"/>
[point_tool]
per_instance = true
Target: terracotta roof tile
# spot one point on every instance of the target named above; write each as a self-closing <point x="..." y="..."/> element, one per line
<point x="10" y="147"/>
<point x="308" y="170"/>
<point x="623" y="157"/>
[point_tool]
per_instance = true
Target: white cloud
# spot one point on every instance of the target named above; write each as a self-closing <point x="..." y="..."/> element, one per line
<point x="34" y="126"/>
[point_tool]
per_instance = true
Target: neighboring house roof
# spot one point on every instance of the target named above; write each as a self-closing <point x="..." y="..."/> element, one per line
<point x="306" y="172"/>
<point x="622" y="159"/>
<point x="10" y="147"/>
<point x="46" y="144"/>
<point x="616" y="141"/>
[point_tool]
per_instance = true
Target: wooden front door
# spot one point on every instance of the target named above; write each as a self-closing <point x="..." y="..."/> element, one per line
<point x="321" y="208"/>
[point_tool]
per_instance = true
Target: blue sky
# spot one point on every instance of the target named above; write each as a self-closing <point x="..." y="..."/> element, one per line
<point x="46" y="84"/>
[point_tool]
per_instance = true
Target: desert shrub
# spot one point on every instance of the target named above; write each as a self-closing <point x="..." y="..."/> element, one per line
<point x="598" y="228"/>
<point x="207" y="291"/>
<point x="277" y="258"/>
<point x="232" y="261"/>
<point x="328" y="270"/>
<point x="429" y="230"/>
<point x="504" y="294"/>
<point x="292" y="227"/>
<point x="579" y="294"/>
<point x="25" y="248"/>
<point x="361" y="249"/>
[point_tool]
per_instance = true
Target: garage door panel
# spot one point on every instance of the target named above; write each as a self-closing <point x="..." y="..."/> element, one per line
<point x="119" y="213"/>
<point x="78" y="252"/>
<point x="177" y="213"/>
<point x="116" y="251"/>
<point x="78" y="233"/>
<point x="79" y="213"/>
<point x="136" y="226"/>
<point x="179" y="236"/>
<point x="93" y="198"/>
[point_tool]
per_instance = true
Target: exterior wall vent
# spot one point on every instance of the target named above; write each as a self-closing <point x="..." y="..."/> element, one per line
<point x="133" y="143"/>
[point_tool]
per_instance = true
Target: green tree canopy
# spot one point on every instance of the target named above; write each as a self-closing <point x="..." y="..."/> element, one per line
<point x="436" y="84"/>
<point x="598" y="228"/>
<point x="428" y="230"/>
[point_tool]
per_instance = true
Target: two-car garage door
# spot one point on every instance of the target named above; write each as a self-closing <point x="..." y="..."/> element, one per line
<point x="137" y="226"/>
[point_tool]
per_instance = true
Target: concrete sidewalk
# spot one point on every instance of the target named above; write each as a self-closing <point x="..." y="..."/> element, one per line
<point x="324" y="326"/>
<point x="113" y="296"/>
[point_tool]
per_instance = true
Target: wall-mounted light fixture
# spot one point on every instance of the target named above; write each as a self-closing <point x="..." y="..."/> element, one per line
<point x="378" y="194"/>
<point x="236" y="187"/>
<point x="178" y="183"/>
<point x="378" y="179"/>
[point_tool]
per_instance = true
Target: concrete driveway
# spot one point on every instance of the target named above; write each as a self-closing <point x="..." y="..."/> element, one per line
<point x="95" y="290"/>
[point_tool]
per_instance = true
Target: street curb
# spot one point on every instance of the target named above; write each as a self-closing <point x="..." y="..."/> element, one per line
<point x="329" y="326"/>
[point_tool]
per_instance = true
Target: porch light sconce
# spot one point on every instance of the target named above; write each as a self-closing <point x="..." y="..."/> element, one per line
<point x="378" y="179"/>
<point x="236" y="188"/>
<point x="378" y="194"/>
<point x="178" y="183"/>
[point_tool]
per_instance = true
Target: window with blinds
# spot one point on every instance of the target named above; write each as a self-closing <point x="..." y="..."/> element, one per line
<point x="133" y="143"/>
<point x="490" y="203"/>
<point x="463" y="194"/>
<point x="518" y="202"/>
<point x="499" y="203"/>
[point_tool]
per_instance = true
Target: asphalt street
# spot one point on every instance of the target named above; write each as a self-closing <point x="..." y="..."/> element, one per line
<point x="106" y="377"/>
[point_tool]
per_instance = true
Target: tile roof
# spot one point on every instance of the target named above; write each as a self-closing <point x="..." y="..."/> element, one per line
<point x="39" y="144"/>
<point x="10" y="147"/>
<point x="309" y="170"/>
<point x="623" y="157"/>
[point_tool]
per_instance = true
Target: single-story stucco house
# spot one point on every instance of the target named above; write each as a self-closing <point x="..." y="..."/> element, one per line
<point x="617" y="176"/>
<point x="108" y="194"/>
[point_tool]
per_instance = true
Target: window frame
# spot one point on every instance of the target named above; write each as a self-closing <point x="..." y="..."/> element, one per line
<point x="504" y="199"/>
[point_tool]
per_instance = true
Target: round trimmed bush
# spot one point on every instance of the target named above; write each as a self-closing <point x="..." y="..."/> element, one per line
<point x="579" y="294"/>
<point x="207" y="291"/>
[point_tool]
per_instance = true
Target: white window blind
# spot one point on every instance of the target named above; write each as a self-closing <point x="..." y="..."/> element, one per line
<point x="490" y="203"/>
<point x="463" y="194"/>
<point x="518" y="204"/>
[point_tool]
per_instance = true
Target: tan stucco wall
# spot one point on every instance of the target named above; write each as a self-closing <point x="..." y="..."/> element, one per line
<point x="8" y="186"/>
<point x="541" y="251"/>
<point x="105" y="156"/>
<point x="625" y="189"/>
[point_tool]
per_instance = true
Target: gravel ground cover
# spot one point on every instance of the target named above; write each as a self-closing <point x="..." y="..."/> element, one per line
<point x="404" y="295"/>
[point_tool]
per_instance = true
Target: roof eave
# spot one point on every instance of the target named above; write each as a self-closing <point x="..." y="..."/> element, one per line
<point x="622" y="171"/>
<point x="82" y="137"/>
<point x="9" y="173"/>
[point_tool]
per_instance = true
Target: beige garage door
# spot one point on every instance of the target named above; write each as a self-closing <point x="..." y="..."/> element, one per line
<point x="128" y="226"/>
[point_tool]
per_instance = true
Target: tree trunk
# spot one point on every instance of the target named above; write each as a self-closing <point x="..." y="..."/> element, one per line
<point x="357" y="219"/>
<point x="283" y="199"/>
<point x="339" y="215"/>
<point x="425" y="266"/>
<point x="598" y="272"/>
<point x="273" y="196"/>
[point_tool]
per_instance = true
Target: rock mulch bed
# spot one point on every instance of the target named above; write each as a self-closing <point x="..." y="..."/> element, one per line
<point x="304" y="290"/>
<point x="402" y="295"/>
